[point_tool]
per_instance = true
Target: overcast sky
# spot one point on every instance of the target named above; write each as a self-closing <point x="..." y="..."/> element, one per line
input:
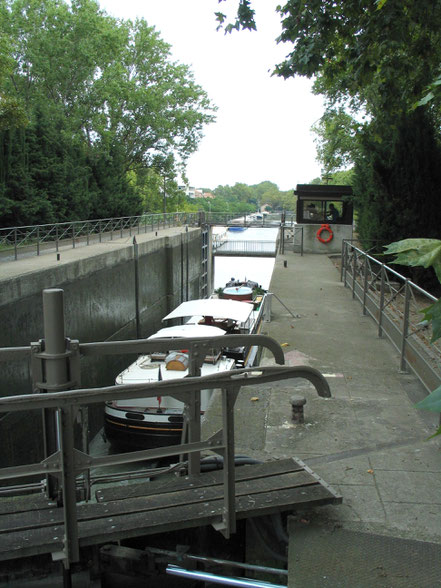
<point x="262" y="131"/>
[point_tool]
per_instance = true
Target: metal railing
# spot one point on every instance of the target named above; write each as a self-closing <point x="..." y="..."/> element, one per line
<point x="56" y="375"/>
<point x="395" y="304"/>
<point x="257" y="248"/>
<point x="250" y="220"/>
<point x="35" y="239"/>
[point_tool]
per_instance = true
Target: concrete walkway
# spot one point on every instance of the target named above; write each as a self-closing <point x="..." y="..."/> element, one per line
<point x="368" y="441"/>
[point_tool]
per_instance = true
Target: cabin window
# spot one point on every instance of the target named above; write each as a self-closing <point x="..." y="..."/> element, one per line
<point x="322" y="211"/>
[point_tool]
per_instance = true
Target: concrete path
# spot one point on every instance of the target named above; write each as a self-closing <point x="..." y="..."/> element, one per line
<point x="368" y="441"/>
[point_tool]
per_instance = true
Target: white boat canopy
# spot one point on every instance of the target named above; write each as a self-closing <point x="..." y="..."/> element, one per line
<point x="188" y="331"/>
<point x="217" y="308"/>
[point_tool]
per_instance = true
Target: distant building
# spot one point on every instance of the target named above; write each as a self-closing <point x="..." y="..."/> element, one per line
<point x="193" y="192"/>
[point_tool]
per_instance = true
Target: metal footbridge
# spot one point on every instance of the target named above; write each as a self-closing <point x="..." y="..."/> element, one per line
<point x="68" y="520"/>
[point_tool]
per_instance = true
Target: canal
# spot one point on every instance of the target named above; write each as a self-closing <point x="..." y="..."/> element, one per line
<point x="257" y="269"/>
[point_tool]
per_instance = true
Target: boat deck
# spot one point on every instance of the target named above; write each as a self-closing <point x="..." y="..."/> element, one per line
<point x="33" y="525"/>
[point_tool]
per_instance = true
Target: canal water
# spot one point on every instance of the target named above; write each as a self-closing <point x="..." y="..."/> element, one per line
<point x="257" y="269"/>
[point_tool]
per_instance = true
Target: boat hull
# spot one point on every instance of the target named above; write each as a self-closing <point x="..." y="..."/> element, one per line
<point x="125" y="432"/>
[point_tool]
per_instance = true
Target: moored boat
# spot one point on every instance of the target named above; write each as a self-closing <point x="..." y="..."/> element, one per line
<point x="158" y="421"/>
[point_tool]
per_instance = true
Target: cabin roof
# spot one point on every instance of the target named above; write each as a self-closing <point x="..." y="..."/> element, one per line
<point x="188" y="331"/>
<point x="214" y="307"/>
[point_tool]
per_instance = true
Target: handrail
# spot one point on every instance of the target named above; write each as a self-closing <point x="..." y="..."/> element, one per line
<point x="72" y="233"/>
<point x="60" y="398"/>
<point x="394" y="302"/>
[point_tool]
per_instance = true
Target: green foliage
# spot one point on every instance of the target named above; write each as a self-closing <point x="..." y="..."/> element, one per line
<point x="244" y="18"/>
<point x="425" y="253"/>
<point x="244" y="198"/>
<point x="103" y="100"/>
<point x="397" y="176"/>
<point x="336" y="141"/>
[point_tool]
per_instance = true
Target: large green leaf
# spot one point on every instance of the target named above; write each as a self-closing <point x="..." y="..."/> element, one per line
<point x="417" y="252"/>
<point x="432" y="402"/>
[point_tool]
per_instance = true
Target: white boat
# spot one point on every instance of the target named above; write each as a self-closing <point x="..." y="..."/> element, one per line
<point x="158" y="421"/>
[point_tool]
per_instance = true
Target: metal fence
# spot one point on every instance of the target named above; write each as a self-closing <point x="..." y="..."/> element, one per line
<point x="35" y="239"/>
<point x="56" y="375"/>
<point x="250" y="220"/>
<point x="251" y="248"/>
<point x="395" y="304"/>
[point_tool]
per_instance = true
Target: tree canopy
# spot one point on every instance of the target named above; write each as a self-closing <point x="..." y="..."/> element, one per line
<point x="373" y="61"/>
<point x="85" y="100"/>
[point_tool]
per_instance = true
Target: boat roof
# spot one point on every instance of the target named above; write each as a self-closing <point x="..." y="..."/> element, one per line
<point x="188" y="331"/>
<point x="216" y="307"/>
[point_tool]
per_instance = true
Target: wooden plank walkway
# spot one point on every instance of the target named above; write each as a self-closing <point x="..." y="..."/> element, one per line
<point x="159" y="506"/>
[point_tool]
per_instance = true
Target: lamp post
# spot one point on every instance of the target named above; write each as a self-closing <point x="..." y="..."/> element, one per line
<point x="164" y="198"/>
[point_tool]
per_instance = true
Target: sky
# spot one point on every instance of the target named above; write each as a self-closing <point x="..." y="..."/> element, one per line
<point x="263" y="123"/>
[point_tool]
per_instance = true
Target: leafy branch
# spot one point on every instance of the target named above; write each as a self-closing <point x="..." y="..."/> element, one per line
<point x="425" y="253"/>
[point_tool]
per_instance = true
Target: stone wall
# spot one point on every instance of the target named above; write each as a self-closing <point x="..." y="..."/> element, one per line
<point x="99" y="302"/>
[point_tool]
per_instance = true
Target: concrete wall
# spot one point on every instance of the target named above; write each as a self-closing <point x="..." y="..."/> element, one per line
<point x="312" y="245"/>
<point x="99" y="301"/>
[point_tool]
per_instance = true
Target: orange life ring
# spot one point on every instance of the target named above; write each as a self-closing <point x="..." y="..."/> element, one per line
<point x="325" y="228"/>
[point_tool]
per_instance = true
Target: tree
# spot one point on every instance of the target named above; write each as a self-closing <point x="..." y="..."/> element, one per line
<point x="107" y="96"/>
<point x="374" y="58"/>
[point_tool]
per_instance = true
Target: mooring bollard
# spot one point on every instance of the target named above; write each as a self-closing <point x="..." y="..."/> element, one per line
<point x="297" y="404"/>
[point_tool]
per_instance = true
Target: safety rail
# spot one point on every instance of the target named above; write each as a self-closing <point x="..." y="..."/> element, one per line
<point x="236" y="247"/>
<point x="36" y="238"/>
<point x="395" y="304"/>
<point x="56" y="375"/>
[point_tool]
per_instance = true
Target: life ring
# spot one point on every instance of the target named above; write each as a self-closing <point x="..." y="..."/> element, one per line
<point x="325" y="228"/>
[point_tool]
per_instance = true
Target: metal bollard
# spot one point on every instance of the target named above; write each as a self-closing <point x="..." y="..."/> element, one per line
<point x="297" y="404"/>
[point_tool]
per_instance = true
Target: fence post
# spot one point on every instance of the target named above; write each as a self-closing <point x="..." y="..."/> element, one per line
<point x="403" y="363"/>
<point x="38" y="240"/>
<point x="354" y="268"/>
<point x="342" y="261"/>
<point x="73" y="236"/>
<point x="136" y="265"/>
<point x="380" y="317"/>
<point x="365" y="284"/>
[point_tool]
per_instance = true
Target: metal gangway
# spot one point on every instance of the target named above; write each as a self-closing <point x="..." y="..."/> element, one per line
<point x="66" y="519"/>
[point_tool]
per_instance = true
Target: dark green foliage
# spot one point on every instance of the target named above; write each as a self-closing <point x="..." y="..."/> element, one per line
<point x="87" y="103"/>
<point x="397" y="181"/>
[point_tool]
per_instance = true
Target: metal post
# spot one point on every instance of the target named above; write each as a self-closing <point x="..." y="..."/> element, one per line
<point x="99" y="231"/>
<point x="381" y="308"/>
<point x="403" y="363"/>
<point x="186" y="265"/>
<point x="354" y="267"/>
<point x="15" y="245"/>
<point x="71" y="546"/>
<point x="229" y="514"/>
<point x="164" y="203"/>
<point x="136" y="265"/>
<point x="194" y="411"/>
<point x="56" y="238"/>
<point x="365" y="284"/>
<point x="56" y="370"/>
<point x="73" y="236"/>
<point x="38" y="240"/>
<point x="342" y="259"/>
